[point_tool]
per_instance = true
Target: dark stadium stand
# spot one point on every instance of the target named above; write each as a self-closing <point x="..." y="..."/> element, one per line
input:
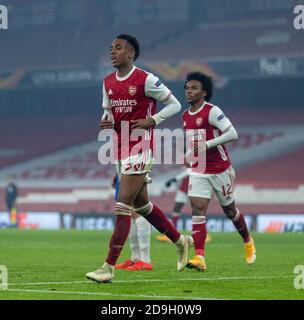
<point x="31" y="137"/>
<point x="232" y="40"/>
<point x="24" y="53"/>
<point x="239" y="35"/>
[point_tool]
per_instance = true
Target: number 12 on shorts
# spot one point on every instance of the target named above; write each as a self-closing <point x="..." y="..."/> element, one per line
<point x="227" y="190"/>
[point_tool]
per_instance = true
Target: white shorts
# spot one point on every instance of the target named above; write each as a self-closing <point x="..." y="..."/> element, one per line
<point x="181" y="197"/>
<point x="202" y="185"/>
<point x="136" y="164"/>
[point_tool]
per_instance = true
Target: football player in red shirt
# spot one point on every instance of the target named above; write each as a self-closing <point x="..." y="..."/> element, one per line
<point x="129" y="99"/>
<point x="209" y="130"/>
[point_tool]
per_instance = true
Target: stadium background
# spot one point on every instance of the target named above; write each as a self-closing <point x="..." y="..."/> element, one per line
<point x="53" y="59"/>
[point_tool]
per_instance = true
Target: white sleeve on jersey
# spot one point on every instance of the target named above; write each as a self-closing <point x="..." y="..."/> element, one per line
<point x="218" y="120"/>
<point x="105" y="98"/>
<point x="155" y="89"/>
<point x="107" y="114"/>
<point x="228" y="136"/>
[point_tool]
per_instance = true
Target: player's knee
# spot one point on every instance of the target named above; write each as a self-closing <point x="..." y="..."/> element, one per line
<point x="199" y="210"/>
<point x="145" y="210"/>
<point x="125" y="199"/>
<point x="122" y="209"/>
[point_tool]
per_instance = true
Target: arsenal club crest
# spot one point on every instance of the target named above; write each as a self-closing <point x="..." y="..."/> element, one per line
<point x="132" y="90"/>
<point x="199" y="121"/>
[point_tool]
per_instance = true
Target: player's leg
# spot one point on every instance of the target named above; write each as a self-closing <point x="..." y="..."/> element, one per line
<point x="130" y="186"/>
<point x="200" y="191"/>
<point x="134" y="245"/>
<point x="199" y="232"/>
<point x="133" y="238"/>
<point x="135" y="254"/>
<point x="223" y="184"/>
<point x="239" y="222"/>
<point x="158" y="219"/>
<point x="178" y="205"/>
<point x="181" y="198"/>
<point x="175" y="217"/>
<point x="143" y="239"/>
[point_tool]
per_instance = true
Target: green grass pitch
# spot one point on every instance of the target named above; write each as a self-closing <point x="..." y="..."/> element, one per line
<point x="52" y="265"/>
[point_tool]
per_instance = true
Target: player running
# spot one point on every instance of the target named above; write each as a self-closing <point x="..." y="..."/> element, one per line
<point x="205" y="119"/>
<point x="129" y="100"/>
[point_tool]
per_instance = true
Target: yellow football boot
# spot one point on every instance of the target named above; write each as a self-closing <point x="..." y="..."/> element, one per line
<point x="163" y="237"/>
<point x="250" y="252"/>
<point x="198" y="263"/>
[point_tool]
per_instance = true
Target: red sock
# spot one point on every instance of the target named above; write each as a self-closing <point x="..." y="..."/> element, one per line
<point x="157" y="218"/>
<point x="175" y="218"/>
<point x="241" y="226"/>
<point x="118" y="239"/>
<point x="199" y="234"/>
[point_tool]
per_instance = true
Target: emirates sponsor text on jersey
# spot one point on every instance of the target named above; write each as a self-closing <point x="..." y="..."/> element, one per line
<point x="123" y="102"/>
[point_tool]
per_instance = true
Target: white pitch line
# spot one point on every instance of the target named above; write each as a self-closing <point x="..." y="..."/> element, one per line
<point x="153" y="280"/>
<point x="112" y="294"/>
<point x="51" y="282"/>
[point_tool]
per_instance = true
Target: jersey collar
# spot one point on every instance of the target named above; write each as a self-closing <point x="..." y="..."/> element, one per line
<point x="198" y="110"/>
<point x="126" y="76"/>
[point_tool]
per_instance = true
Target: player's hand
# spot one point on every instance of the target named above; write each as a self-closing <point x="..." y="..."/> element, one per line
<point x="169" y="182"/>
<point x="106" y="124"/>
<point x="107" y="120"/>
<point x="142" y="123"/>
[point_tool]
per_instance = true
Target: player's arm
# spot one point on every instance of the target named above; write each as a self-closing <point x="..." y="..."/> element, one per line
<point x="219" y="120"/>
<point x="107" y="119"/>
<point x="155" y="89"/>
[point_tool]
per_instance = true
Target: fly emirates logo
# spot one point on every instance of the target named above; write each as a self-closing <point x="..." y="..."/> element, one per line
<point x="123" y="105"/>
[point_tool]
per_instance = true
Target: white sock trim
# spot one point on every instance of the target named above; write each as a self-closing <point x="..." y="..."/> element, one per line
<point x="198" y="219"/>
<point x="145" y="210"/>
<point x="237" y="216"/>
<point x="122" y="209"/>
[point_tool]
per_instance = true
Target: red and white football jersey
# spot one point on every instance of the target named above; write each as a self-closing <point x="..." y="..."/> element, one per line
<point x="210" y="121"/>
<point x="130" y="98"/>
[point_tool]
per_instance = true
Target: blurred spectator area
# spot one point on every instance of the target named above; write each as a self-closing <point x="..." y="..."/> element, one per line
<point x="79" y="33"/>
<point x="232" y="40"/>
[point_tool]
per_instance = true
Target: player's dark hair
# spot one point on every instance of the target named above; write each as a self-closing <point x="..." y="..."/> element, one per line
<point x="132" y="41"/>
<point x="205" y="80"/>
